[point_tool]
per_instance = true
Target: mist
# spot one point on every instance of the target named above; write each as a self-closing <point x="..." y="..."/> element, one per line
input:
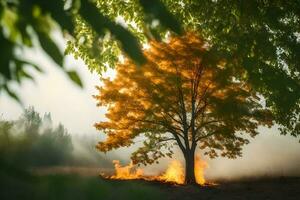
<point x="268" y="154"/>
<point x="33" y="141"/>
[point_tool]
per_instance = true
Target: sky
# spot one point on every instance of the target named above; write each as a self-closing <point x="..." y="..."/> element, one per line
<point x="269" y="153"/>
<point x="53" y="92"/>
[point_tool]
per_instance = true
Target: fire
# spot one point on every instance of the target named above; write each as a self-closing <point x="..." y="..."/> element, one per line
<point x="200" y="166"/>
<point x="175" y="172"/>
<point x="127" y="172"/>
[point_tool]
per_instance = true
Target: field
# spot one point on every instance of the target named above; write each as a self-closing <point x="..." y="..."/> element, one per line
<point x="269" y="188"/>
<point x="72" y="186"/>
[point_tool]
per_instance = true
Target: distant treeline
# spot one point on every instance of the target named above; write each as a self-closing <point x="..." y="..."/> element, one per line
<point x="33" y="141"/>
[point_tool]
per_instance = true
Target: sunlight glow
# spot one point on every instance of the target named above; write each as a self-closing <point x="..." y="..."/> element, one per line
<point x="146" y="46"/>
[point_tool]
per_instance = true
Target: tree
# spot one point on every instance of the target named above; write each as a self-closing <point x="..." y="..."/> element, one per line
<point x="25" y="142"/>
<point x="24" y="23"/>
<point x="182" y="96"/>
<point x="102" y="49"/>
<point x="260" y="36"/>
<point x="31" y="122"/>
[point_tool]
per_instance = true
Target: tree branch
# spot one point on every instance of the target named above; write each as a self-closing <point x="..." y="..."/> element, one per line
<point x="206" y="123"/>
<point x="205" y="136"/>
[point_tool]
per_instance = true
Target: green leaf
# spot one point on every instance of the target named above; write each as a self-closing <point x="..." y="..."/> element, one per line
<point x="156" y="9"/>
<point x="6" y="54"/>
<point x="64" y="20"/>
<point x="24" y="62"/>
<point x="91" y="14"/>
<point x="12" y="94"/>
<point x="75" y="78"/>
<point x="50" y="48"/>
<point x="22" y="27"/>
<point x="62" y="17"/>
<point x="130" y="45"/>
<point x="23" y="74"/>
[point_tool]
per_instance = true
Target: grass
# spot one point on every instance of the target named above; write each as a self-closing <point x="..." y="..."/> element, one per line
<point x="19" y="185"/>
<point x="70" y="187"/>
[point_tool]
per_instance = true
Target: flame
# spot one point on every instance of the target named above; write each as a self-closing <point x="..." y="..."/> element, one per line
<point x="200" y="166"/>
<point x="175" y="172"/>
<point x="127" y="172"/>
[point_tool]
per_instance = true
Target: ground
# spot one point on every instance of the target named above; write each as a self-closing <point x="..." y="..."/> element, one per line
<point x="261" y="188"/>
<point x="71" y="186"/>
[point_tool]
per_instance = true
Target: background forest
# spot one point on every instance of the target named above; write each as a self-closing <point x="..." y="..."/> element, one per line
<point x="34" y="141"/>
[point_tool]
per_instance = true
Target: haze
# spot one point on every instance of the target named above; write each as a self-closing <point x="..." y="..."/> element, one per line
<point x="268" y="154"/>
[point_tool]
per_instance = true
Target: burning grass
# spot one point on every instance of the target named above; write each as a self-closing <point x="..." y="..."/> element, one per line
<point x="71" y="186"/>
<point x="175" y="172"/>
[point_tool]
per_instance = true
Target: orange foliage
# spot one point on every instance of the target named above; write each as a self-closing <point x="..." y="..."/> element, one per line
<point x="184" y="95"/>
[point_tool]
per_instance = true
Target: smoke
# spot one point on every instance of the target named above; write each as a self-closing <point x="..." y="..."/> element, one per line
<point x="268" y="155"/>
<point x="33" y="141"/>
<point x="85" y="153"/>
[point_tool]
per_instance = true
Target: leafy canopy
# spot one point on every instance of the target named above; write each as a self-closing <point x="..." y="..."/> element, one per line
<point x="30" y="23"/>
<point x="260" y="36"/>
<point x="182" y="96"/>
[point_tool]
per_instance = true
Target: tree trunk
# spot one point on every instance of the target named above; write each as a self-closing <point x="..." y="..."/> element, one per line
<point x="190" y="167"/>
